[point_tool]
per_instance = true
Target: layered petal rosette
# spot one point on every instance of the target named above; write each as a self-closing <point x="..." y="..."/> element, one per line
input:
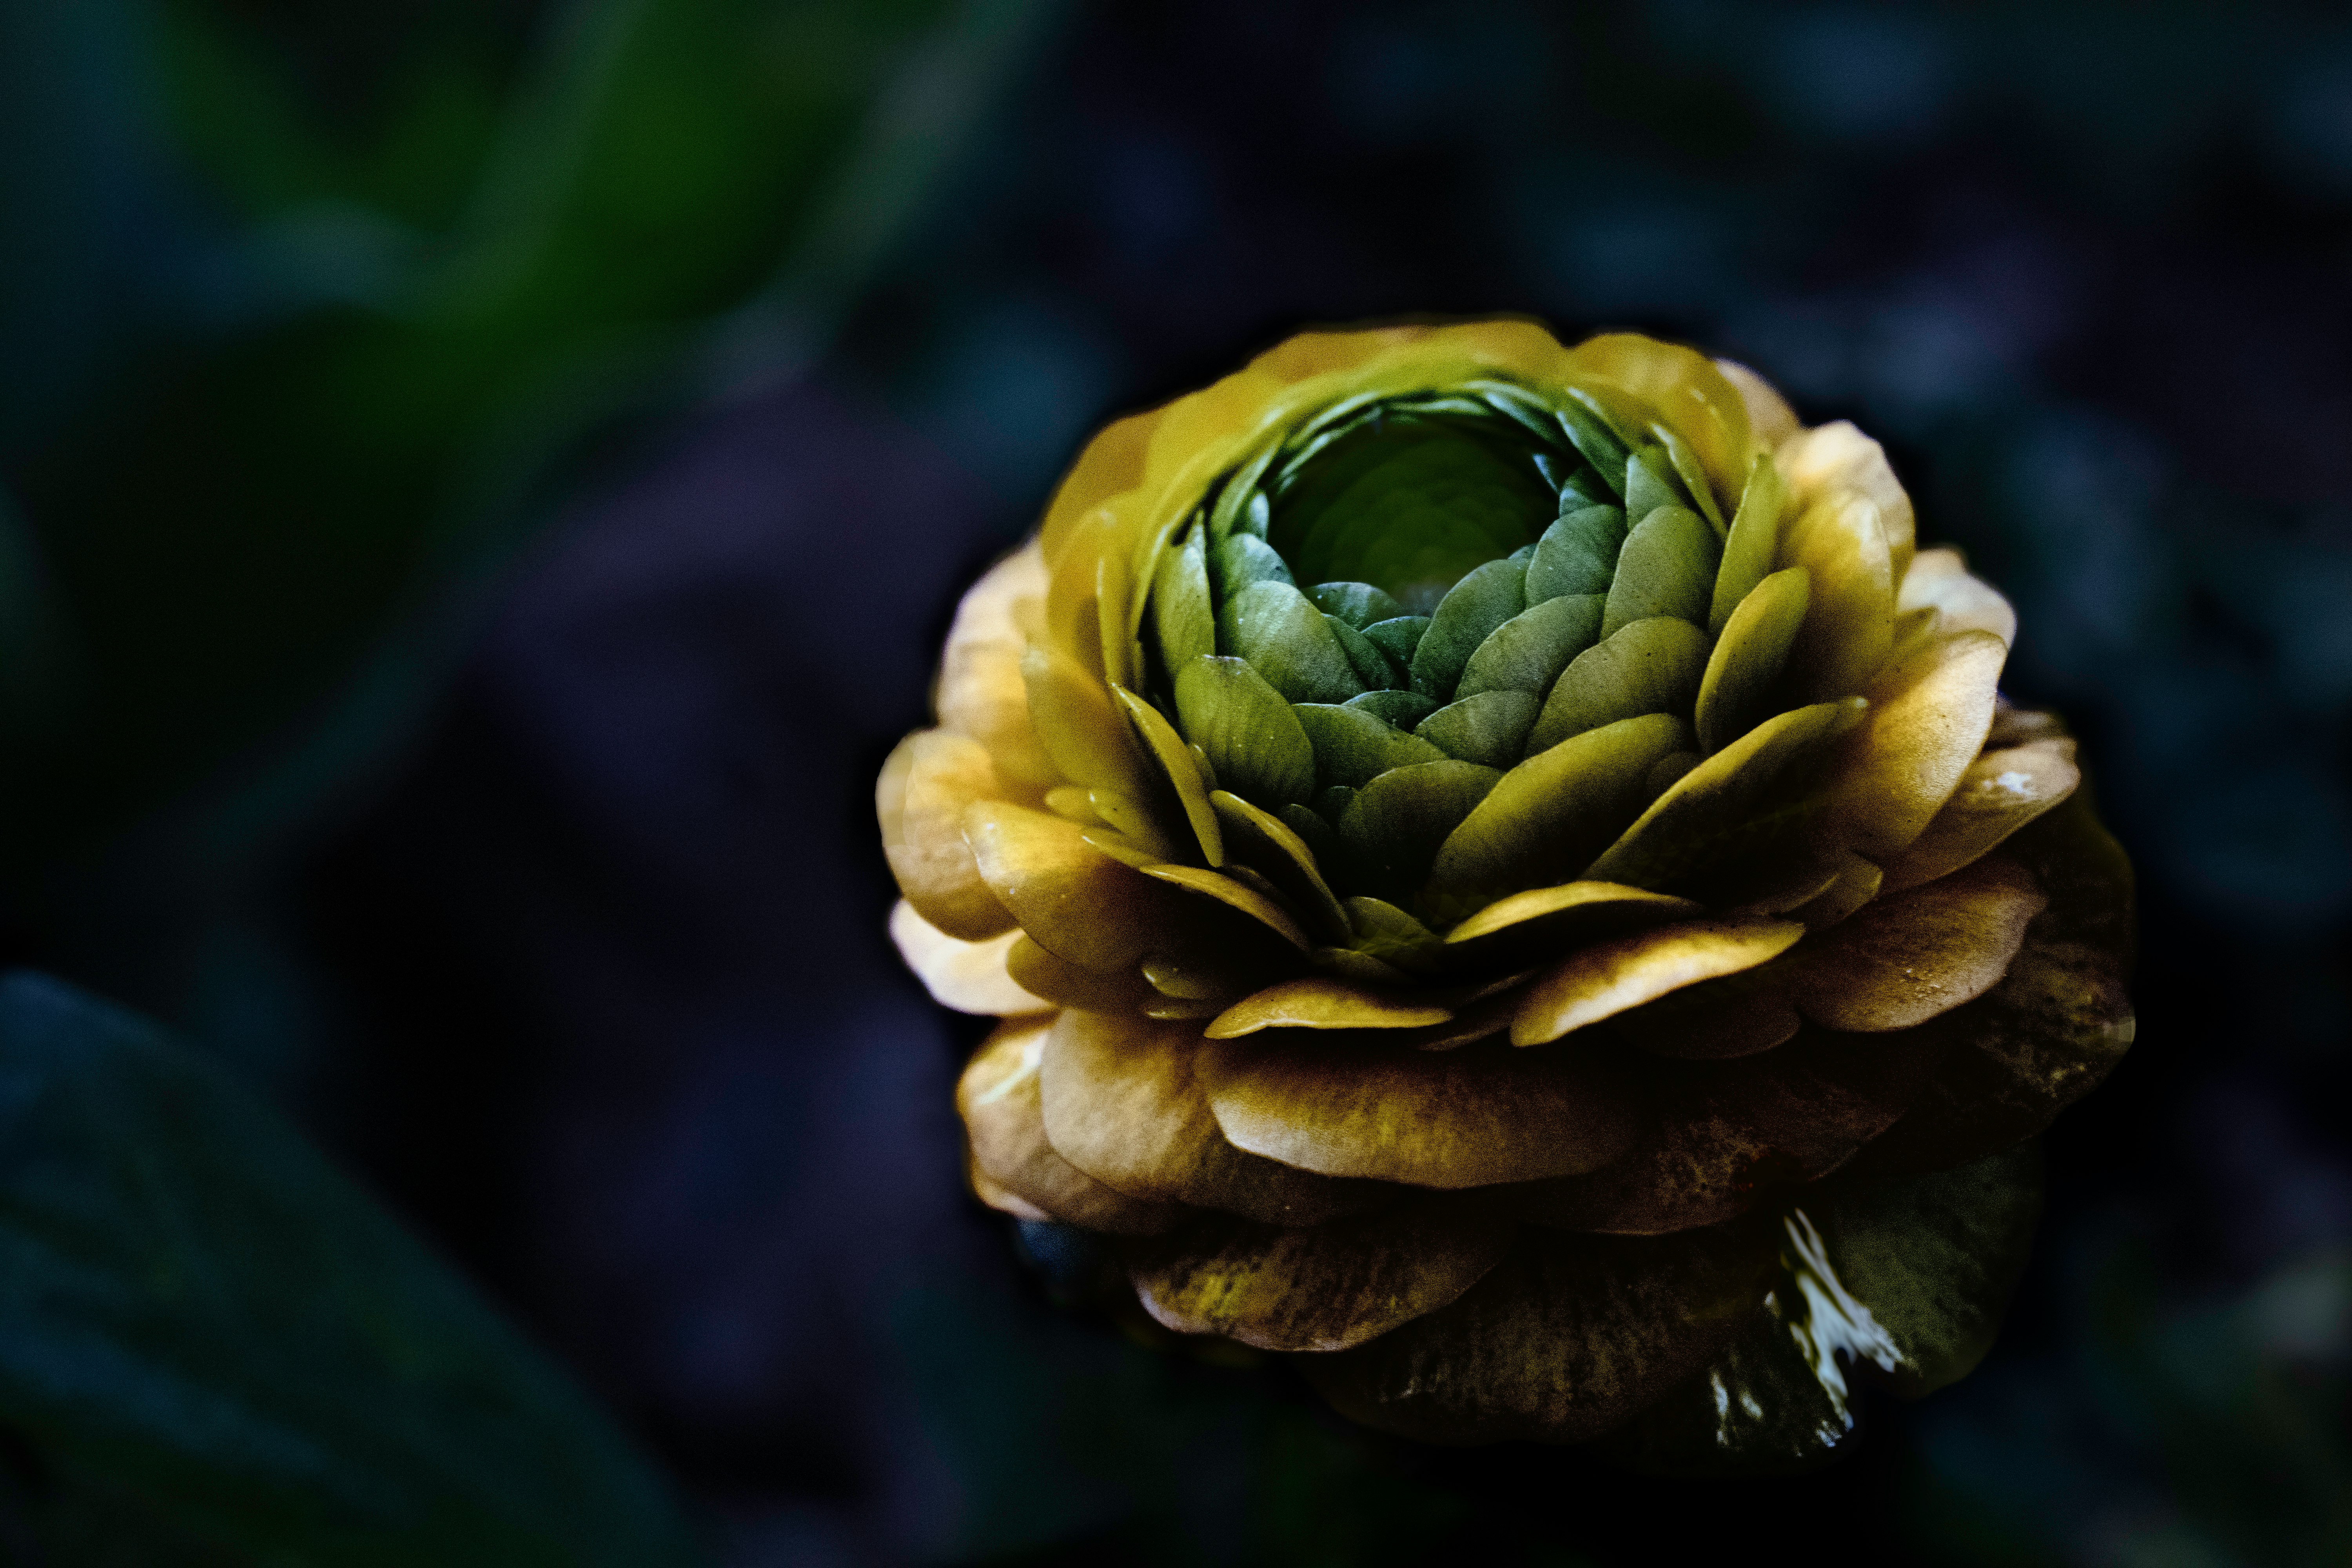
<point x="1507" y="877"/>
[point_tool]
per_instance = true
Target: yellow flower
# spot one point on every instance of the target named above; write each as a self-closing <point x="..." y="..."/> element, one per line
<point x="1507" y="876"/>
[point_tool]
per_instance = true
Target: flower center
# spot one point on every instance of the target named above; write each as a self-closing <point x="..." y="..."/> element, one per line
<point x="1371" y="622"/>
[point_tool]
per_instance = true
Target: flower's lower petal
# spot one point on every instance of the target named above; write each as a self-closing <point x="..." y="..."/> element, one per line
<point x="1567" y="1336"/>
<point x="1933" y="1260"/>
<point x="1003" y="1120"/>
<point x="1601" y="982"/>
<point x="1757" y="1408"/>
<point x="2057" y="1023"/>
<point x="1720" y="1136"/>
<point x="981" y="693"/>
<point x="1715" y="1020"/>
<point x="996" y="1195"/>
<point x="925" y="788"/>
<point x="1122" y="1104"/>
<point x="2001" y="792"/>
<point x="1465" y="1118"/>
<point x="1324" y="1289"/>
<point x="1928" y="716"/>
<point x="1074" y="900"/>
<point x="969" y="977"/>
<point x="1905" y="958"/>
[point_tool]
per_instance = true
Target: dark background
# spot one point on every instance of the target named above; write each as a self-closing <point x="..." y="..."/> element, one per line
<point x="484" y="484"/>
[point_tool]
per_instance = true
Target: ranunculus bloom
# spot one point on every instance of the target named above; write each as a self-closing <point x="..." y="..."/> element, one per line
<point x="1507" y="876"/>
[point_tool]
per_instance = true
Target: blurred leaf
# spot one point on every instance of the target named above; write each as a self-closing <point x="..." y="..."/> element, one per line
<point x="212" y="1334"/>
<point x="435" y="303"/>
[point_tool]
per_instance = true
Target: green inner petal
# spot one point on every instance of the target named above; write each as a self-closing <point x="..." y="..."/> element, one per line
<point x="1398" y="638"/>
<point x="1365" y="657"/>
<point x="1253" y="740"/>
<point x="1668" y="568"/>
<point x="1180" y="611"/>
<point x="1577" y="555"/>
<point x="1288" y="641"/>
<point x="1403" y="708"/>
<point x="1471" y="611"/>
<point x="1652" y="666"/>
<point x="1243" y="559"/>
<point x="1528" y="652"/>
<point x="1392" y="829"/>
<point x="1489" y="728"/>
<point x="1353" y="746"/>
<point x="1358" y="603"/>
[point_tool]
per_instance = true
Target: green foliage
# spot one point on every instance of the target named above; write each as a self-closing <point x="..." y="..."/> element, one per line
<point x="437" y="281"/>
<point x="219" y="1350"/>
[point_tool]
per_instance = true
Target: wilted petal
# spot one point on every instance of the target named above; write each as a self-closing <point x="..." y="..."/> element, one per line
<point x="1905" y="958"/>
<point x="1321" y="1290"/>
<point x="1565" y="1338"/>
<point x="969" y="977"/>
<point x="925" y="788"/>
<point x="1454" y="1119"/>
<point x="1003" y="1118"/>
<point x="1721" y="1136"/>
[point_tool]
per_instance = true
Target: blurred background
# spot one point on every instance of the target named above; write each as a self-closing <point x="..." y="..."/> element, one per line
<point x="481" y="483"/>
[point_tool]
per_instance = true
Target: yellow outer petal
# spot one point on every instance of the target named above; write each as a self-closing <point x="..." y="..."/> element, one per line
<point x="1927" y="718"/>
<point x="1832" y="461"/>
<point x="1939" y="580"/>
<point x="1071" y="898"/>
<point x="980" y="692"/>
<point x="927" y="783"/>
<point x="969" y="977"/>
<point x="1466" y="1118"/>
<point x="1004" y="1120"/>
<point x="2001" y="792"/>
<point x="1849" y="625"/>
<point x="1318" y="1003"/>
<point x="1769" y="417"/>
<point x="1601" y="982"/>
<point x="1110" y="465"/>
<point x="1904" y="960"/>
<point x="1688" y="392"/>
<point x="1122" y="1103"/>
